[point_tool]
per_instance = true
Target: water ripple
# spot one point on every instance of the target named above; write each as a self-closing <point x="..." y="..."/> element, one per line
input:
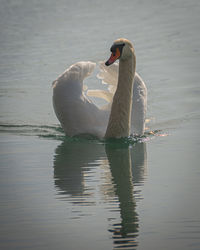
<point x="55" y="132"/>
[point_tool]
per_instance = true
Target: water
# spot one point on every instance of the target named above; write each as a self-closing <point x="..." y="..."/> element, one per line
<point x="64" y="193"/>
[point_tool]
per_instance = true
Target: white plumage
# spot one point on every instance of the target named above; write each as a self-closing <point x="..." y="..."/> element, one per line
<point x="79" y="115"/>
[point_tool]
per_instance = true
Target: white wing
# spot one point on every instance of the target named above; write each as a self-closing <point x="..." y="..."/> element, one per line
<point x="109" y="75"/>
<point x="76" y="113"/>
<point x="139" y="106"/>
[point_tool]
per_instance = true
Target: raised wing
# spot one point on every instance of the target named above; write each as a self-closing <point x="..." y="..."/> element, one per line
<point x="76" y="113"/>
<point x="109" y="76"/>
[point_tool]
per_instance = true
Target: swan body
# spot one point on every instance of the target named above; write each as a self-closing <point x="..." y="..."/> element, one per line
<point x="126" y="96"/>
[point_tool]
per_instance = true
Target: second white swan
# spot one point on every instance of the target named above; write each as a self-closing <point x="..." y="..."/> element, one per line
<point x="126" y="96"/>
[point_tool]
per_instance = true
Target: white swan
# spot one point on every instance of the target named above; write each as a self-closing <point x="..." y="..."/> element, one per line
<point x="126" y="96"/>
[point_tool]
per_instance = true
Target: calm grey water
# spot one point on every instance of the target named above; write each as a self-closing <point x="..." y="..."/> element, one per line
<point x="62" y="193"/>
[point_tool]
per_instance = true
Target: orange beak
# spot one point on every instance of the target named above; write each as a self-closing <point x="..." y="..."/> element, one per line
<point x="113" y="57"/>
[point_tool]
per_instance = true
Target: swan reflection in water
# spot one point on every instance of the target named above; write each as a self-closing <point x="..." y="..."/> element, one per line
<point x="123" y="168"/>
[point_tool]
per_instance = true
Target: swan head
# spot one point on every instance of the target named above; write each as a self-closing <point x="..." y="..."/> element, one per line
<point x="121" y="49"/>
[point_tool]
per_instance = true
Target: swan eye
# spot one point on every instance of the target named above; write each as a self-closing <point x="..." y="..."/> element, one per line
<point x="116" y="50"/>
<point x="117" y="46"/>
<point x="113" y="48"/>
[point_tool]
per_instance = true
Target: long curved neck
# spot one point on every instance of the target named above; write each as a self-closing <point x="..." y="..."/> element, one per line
<point x="120" y="116"/>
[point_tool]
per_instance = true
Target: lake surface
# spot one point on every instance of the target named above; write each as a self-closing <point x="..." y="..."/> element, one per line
<point x="68" y="193"/>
